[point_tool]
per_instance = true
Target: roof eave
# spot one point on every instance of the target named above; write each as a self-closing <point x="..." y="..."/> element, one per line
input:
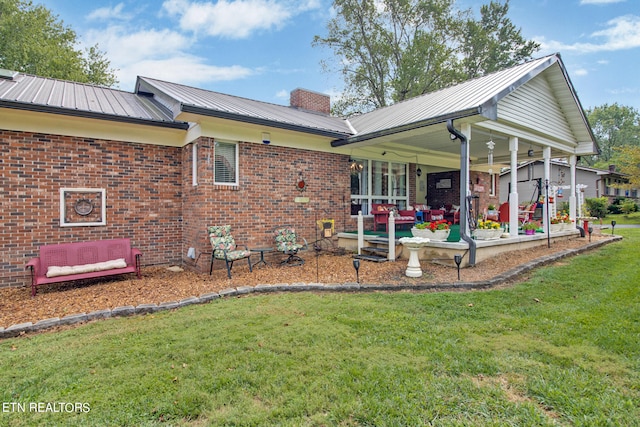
<point x="259" y="121"/>
<point x="408" y="127"/>
<point x="92" y="115"/>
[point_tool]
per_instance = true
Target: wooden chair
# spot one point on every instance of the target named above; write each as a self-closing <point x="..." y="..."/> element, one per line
<point x="288" y="242"/>
<point x="225" y="248"/>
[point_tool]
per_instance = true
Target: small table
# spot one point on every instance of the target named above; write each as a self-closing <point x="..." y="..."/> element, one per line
<point x="262" y="251"/>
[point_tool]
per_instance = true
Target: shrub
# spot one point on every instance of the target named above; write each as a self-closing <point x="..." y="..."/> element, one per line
<point x="628" y="206"/>
<point x="597" y="206"/>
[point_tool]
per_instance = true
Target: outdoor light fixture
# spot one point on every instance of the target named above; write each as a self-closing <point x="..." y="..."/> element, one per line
<point x="356" y="265"/>
<point x="530" y="152"/>
<point x="613" y="225"/>
<point x="418" y="170"/>
<point x="355" y="167"/>
<point x="266" y="138"/>
<point x="458" y="260"/>
<point x="590" y="231"/>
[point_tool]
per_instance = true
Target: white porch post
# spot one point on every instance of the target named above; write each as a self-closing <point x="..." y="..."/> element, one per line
<point x="572" y="191"/>
<point x="513" y="194"/>
<point x="546" y="154"/>
<point x="466" y="130"/>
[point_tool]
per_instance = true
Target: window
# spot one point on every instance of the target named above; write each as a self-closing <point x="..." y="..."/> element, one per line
<point x="492" y="185"/>
<point x="374" y="181"/>
<point x="225" y="167"/>
<point x="194" y="164"/>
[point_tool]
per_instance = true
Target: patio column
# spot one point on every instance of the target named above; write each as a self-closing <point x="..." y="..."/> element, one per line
<point x="546" y="154"/>
<point x="466" y="130"/>
<point x="572" y="191"/>
<point x="513" y="193"/>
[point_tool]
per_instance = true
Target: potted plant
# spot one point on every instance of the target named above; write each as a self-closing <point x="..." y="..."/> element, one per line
<point x="492" y="213"/>
<point x="556" y="224"/>
<point x="487" y="230"/>
<point x="530" y="228"/>
<point x="437" y="231"/>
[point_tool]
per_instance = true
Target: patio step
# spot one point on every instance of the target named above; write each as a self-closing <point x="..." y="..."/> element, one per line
<point x="374" y="258"/>
<point x="375" y="253"/>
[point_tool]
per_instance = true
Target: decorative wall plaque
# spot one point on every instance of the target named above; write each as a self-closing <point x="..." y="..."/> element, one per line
<point x="82" y="207"/>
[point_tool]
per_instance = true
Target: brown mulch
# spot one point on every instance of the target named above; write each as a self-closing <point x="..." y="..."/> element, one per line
<point x="159" y="284"/>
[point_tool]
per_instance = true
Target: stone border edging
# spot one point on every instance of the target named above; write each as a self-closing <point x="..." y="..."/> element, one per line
<point x="129" y="310"/>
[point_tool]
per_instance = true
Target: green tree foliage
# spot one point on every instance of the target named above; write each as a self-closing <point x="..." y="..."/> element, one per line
<point x="391" y="50"/>
<point x="34" y="41"/>
<point x="493" y="42"/>
<point x="614" y="126"/>
<point x="627" y="159"/>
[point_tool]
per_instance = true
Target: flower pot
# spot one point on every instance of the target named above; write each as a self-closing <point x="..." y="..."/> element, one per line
<point x="487" y="234"/>
<point x="529" y="232"/>
<point x="434" y="236"/>
<point x="554" y="228"/>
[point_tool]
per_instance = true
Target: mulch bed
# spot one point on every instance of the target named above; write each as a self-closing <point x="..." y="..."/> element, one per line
<point x="160" y="284"/>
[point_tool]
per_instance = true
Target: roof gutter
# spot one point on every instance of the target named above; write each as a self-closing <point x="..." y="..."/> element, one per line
<point x="408" y="127"/>
<point x="464" y="171"/>
<point x="36" y="108"/>
<point x="259" y="121"/>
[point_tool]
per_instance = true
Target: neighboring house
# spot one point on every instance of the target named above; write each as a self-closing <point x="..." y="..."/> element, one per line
<point x="598" y="182"/>
<point x="163" y="162"/>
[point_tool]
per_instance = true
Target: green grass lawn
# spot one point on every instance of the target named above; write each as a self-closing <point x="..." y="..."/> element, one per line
<point x="562" y="348"/>
<point x="632" y="218"/>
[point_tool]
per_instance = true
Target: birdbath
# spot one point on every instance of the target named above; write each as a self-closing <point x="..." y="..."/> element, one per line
<point x="414" y="244"/>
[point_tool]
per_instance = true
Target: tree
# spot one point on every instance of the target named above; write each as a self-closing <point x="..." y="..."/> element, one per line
<point x="34" y="41"/>
<point x="628" y="162"/>
<point x="493" y="42"/>
<point x="392" y="50"/>
<point x="613" y="126"/>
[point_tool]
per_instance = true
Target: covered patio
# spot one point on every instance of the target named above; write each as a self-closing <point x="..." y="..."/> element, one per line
<point x="468" y="133"/>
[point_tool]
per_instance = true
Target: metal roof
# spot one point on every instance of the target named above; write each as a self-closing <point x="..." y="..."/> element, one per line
<point x="215" y="104"/>
<point x="473" y="97"/>
<point x="28" y="92"/>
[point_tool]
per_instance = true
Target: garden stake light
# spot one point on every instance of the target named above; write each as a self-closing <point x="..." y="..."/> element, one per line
<point x="458" y="260"/>
<point x="356" y="265"/>
<point x="613" y="225"/>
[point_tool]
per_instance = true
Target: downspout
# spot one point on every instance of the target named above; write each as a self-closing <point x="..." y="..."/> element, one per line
<point x="464" y="166"/>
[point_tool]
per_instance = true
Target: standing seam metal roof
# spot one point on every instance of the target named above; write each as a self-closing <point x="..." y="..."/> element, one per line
<point x="215" y="103"/>
<point x="58" y="96"/>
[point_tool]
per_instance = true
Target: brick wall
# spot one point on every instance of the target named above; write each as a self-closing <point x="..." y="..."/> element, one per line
<point x="143" y="196"/>
<point x="310" y="101"/>
<point x="265" y="196"/>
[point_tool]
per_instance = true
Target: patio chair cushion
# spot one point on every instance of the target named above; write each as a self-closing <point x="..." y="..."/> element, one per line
<point x="224" y="245"/>
<point x="286" y="240"/>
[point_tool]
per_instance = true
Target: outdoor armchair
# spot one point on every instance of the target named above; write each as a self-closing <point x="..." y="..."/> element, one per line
<point x="225" y="248"/>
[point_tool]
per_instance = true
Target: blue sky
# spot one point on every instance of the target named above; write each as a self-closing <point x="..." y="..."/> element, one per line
<point x="261" y="49"/>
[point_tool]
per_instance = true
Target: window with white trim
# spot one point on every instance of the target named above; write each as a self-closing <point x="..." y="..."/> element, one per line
<point x="492" y="185"/>
<point x="375" y="181"/>
<point x="225" y="166"/>
<point x="194" y="164"/>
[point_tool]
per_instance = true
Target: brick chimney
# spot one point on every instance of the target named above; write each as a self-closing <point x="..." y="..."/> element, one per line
<point x="303" y="99"/>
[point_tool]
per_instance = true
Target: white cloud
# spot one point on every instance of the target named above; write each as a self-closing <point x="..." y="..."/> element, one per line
<point x="124" y="47"/>
<point x="185" y="69"/>
<point x="106" y="13"/>
<point x="580" y="72"/>
<point x="159" y="54"/>
<point x="235" y="19"/>
<point x="283" y="94"/>
<point x="621" y="33"/>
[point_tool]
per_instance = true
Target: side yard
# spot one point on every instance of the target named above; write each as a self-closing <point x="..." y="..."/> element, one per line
<point x="560" y="348"/>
